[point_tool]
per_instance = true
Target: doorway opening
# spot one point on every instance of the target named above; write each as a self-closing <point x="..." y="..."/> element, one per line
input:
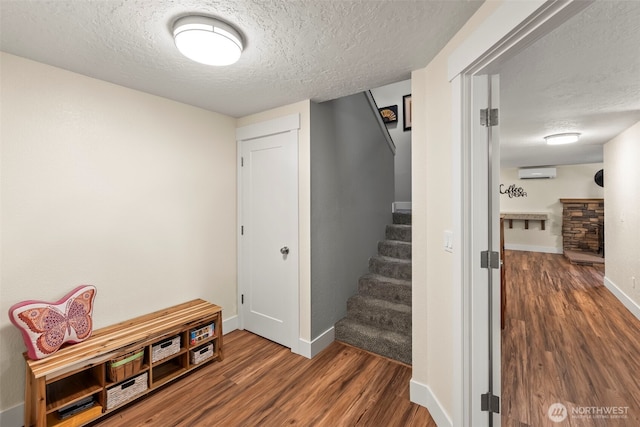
<point x="561" y="348"/>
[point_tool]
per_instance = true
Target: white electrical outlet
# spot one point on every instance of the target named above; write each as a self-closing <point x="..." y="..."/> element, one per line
<point x="633" y="282"/>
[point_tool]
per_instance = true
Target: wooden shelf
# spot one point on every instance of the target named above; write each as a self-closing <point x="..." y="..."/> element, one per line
<point x="526" y="217"/>
<point x="71" y="389"/>
<point x="79" y="371"/>
<point x="204" y="342"/>
<point x="581" y="200"/>
<point x="169" y="370"/>
<point x="182" y="351"/>
<point x="143" y="368"/>
<point x="79" y="419"/>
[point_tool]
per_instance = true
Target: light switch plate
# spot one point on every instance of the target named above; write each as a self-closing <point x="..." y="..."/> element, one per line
<point x="448" y="240"/>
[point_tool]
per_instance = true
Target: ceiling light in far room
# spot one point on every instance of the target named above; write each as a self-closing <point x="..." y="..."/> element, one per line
<point x="562" y="138"/>
<point x="207" y="40"/>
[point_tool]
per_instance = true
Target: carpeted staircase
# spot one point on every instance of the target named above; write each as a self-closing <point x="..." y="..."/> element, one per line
<point x="379" y="316"/>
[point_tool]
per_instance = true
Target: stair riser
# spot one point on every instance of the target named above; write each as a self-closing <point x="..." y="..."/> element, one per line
<point x="391" y="320"/>
<point x="393" y="350"/>
<point x="396" y="270"/>
<point x="400" y="294"/>
<point x="402" y="218"/>
<point x="395" y="232"/>
<point x="395" y="249"/>
<point x="394" y="293"/>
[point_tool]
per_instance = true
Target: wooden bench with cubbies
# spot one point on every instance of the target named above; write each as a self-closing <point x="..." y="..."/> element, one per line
<point x="120" y="363"/>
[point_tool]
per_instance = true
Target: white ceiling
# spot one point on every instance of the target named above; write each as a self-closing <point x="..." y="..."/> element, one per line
<point x="582" y="77"/>
<point x="295" y="50"/>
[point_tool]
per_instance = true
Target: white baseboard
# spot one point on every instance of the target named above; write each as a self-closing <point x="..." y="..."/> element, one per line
<point x="310" y="349"/>
<point x="12" y="417"/>
<point x="230" y="324"/>
<point x="531" y="248"/>
<point x="396" y="206"/>
<point x="422" y="395"/>
<point x="625" y="299"/>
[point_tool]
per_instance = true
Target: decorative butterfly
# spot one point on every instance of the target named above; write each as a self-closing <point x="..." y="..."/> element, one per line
<point x="46" y="326"/>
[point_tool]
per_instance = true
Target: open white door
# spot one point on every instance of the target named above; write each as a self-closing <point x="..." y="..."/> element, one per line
<point x="268" y="241"/>
<point x="485" y="262"/>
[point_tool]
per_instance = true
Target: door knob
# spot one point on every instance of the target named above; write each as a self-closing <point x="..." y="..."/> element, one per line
<point x="284" y="250"/>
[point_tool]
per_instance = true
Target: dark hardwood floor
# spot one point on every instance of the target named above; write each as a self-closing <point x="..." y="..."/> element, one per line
<point x="567" y="340"/>
<point x="261" y="383"/>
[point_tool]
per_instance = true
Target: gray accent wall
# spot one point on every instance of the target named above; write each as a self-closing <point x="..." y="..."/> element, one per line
<point x="393" y="95"/>
<point x="352" y="189"/>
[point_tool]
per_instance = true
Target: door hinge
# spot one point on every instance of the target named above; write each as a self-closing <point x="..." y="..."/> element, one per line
<point x="489" y="117"/>
<point x="489" y="259"/>
<point x="490" y="403"/>
<point x="242" y="230"/>
<point x="242" y="299"/>
<point x="241" y="161"/>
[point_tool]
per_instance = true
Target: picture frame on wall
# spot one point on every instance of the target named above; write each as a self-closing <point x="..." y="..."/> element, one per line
<point x="389" y="114"/>
<point x="406" y="112"/>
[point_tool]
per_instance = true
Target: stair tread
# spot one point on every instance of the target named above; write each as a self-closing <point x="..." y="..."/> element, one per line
<point x="375" y="332"/>
<point x="391" y="259"/>
<point x="382" y="304"/>
<point x="386" y="279"/>
<point x="400" y="232"/>
<point x="396" y="242"/>
<point x="391" y="267"/>
<point x="402" y="226"/>
<point x="395" y="249"/>
<point x="387" y="343"/>
<point x="387" y="288"/>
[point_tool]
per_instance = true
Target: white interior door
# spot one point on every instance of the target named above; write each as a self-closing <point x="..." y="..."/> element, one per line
<point x="269" y="236"/>
<point x="485" y="282"/>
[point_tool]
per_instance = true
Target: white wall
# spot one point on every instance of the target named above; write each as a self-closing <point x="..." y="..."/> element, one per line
<point x="108" y="186"/>
<point x="622" y="216"/>
<point x="543" y="196"/>
<point x="433" y="317"/>
<point x="392" y="95"/>
<point x="304" y="200"/>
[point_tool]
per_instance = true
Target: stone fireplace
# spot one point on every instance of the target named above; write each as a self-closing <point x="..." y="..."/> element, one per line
<point x="583" y="230"/>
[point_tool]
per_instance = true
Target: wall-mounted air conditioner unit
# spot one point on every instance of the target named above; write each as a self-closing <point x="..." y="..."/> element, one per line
<point x="536" y="173"/>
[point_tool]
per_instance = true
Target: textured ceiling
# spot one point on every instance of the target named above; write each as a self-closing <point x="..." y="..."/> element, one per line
<point x="583" y="77"/>
<point x="295" y="50"/>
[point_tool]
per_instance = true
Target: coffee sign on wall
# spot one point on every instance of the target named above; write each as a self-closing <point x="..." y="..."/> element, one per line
<point x="513" y="191"/>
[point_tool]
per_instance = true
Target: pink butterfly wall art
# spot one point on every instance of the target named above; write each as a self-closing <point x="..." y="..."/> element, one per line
<point x="46" y="326"/>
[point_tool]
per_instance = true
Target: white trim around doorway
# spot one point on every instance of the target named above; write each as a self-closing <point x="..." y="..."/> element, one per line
<point x="510" y="29"/>
<point x="289" y="123"/>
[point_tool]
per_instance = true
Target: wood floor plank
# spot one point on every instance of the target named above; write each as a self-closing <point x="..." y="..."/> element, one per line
<point x="567" y="340"/>
<point x="260" y="383"/>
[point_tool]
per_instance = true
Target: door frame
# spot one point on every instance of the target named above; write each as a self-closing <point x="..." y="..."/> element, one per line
<point x="290" y="123"/>
<point x="510" y="29"/>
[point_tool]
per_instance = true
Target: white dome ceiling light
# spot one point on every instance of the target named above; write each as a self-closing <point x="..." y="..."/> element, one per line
<point x="207" y="40"/>
<point x="562" y="138"/>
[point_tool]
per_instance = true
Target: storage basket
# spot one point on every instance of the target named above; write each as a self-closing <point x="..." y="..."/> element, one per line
<point x="200" y="334"/>
<point x="165" y="348"/>
<point x="201" y="354"/>
<point x="124" y="392"/>
<point x="125" y="366"/>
